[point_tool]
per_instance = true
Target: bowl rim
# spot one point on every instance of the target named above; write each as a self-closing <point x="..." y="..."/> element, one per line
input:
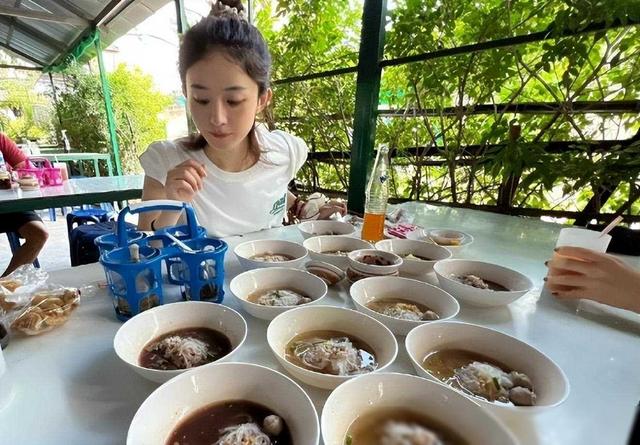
<point x="292" y="261"/>
<point x="333" y="377"/>
<point x="271" y="270"/>
<point x="373" y="267"/>
<point x="461" y="235"/>
<point x="338" y="238"/>
<point x="400" y="375"/>
<point x="422" y="234"/>
<point x="448" y="251"/>
<point x="409" y="322"/>
<point x="137" y="367"/>
<point x="303" y="224"/>
<point x="324" y="264"/>
<point x="466" y="325"/>
<point x="187" y="375"/>
<point x="525" y="278"/>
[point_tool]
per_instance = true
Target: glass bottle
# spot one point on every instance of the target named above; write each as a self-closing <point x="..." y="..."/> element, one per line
<point x="376" y="198"/>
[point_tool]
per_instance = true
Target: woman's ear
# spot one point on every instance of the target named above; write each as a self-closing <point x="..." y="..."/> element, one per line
<point x="264" y="99"/>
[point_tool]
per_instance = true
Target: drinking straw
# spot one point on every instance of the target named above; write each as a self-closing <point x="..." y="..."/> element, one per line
<point x="611" y="225"/>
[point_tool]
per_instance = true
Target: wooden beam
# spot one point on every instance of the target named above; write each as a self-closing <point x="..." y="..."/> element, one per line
<point x="45" y="16"/>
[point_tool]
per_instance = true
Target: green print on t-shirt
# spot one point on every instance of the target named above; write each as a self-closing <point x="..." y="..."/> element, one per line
<point x="278" y="206"/>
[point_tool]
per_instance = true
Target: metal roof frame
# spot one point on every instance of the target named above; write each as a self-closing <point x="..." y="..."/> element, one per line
<point x="46" y="32"/>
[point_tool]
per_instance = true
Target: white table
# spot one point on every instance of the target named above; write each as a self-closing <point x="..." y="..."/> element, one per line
<point x="69" y="387"/>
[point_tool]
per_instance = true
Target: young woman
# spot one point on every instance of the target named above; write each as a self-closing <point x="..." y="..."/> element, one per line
<point x="234" y="172"/>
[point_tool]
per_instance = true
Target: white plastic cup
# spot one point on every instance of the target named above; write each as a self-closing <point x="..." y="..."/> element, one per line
<point x="64" y="172"/>
<point x="588" y="239"/>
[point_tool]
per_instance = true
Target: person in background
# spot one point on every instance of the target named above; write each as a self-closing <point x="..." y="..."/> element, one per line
<point x="234" y="172"/>
<point x="582" y="273"/>
<point x="27" y="224"/>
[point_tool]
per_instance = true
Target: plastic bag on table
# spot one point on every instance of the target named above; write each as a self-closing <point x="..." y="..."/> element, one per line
<point x="47" y="309"/>
<point x="398" y="223"/>
<point x="24" y="278"/>
<point x="17" y="288"/>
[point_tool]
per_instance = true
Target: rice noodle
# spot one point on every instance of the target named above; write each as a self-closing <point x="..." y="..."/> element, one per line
<point x="337" y="355"/>
<point x="183" y="352"/>
<point x="282" y="297"/>
<point x="403" y="433"/>
<point x="244" y="434"/>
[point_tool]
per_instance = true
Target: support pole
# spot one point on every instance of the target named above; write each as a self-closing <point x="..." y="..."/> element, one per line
<point x="367" y="92"/>
<point x="181" y="17"/>
<point x="111" y="119"/>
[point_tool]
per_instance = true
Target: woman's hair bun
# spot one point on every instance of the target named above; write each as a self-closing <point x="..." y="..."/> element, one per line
<point x="221" y="8"/>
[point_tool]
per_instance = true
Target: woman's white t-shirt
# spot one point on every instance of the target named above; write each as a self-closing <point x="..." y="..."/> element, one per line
<point x="236" y="203"/>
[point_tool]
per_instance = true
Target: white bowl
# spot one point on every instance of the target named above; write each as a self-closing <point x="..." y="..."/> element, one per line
<point x="442" y="405"/>
<point x="317" y="245"/>
<point x="367" y="290"/>
<point x="286" y="326"/>
<point x="151" y="324"/>
<point x="427" y="236"/>
<point x="549" y="381"/>
<point x="325" y="227"/>
<point x="329" y="273"/>
<point x="177" y="399"/>
<point x="356" y="264"/>
<point x="248" y="249"/>
<point x="404" y="247"/>
<point x="517" y="283"/>
<point x="251" y="281"/>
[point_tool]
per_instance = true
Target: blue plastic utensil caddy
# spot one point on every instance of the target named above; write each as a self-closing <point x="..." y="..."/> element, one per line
<point x="137" y="286"/>
<point x="183" y="233"/>
<point x="109" y="241"/>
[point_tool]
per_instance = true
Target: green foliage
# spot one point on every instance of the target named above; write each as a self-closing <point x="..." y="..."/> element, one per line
<point x="315" y="36"/>
<point x="136" y="104"/>
<point x="309" y="37"/>
<point x="24" y="113"/>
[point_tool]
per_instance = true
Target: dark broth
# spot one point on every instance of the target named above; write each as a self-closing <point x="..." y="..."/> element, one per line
<point x="368" y="429"/>
<point x="218" y="345"/>
<point x="442" y="364"/>
<point x="374" y="260"/>
<point x="203" y="427"/>
<point x="492" y="284"/>
<point x="495" y="286"/>
<point x="366" y="352"/>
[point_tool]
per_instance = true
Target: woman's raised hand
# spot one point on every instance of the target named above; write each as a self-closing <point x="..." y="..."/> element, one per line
<point x="332" y="206"/>
<point x="185" y="180"/>
<point x="575" y="272"/>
